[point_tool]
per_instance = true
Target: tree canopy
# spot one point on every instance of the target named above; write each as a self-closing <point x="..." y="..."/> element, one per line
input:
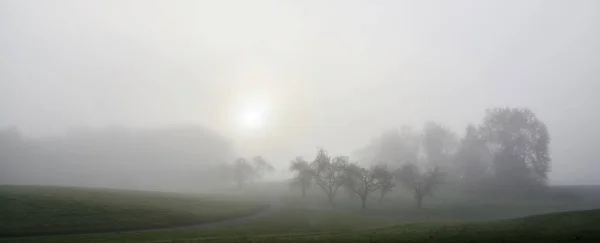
<point x="304" y="174"/>
<point x="422" y="183"/>
<point x="519" y="143"/>
<point x="329" y="172"/>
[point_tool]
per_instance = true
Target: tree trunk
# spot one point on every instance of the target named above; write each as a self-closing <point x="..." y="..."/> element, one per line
<point x="330" y="198"/>
<point x="303" y="191"/>
<point x="419" y="200"/>
<point x="363" y="202"/>
<point x="381" y="198"/>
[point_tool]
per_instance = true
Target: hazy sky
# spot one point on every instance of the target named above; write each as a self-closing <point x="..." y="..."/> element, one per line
<point x="327" y="73"/>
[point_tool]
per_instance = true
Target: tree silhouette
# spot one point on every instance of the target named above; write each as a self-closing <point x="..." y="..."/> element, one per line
<point x="519" y="143"/>
<point x="328" y="172"/>
<point x="261" y="167"/>
<point x="386" y="180"/>
<point x="242" y="171"/>
<point x="421" y="183"/>
<point x="304" y="174"/>
<point x="361" y="181"/>
<point x="439" y="145"/>
<point x="473" y="157"/>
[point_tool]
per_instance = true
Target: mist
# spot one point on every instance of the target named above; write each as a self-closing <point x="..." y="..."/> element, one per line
<point x="153" y="91"/>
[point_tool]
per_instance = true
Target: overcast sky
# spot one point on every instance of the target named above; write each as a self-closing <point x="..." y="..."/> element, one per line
<point x="327" y="73"/>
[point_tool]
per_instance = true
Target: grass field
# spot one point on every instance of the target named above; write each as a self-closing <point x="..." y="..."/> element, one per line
<point x="302" y="226"/>
<point x="296" y="219"/>
<point x="28" y="210"/>
<point x="582" y="226"/>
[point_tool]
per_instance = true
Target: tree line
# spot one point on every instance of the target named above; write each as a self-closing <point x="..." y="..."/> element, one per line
<point x="332" y="173"/>
<point x="508" y="151"/>
<point x="172" y="158"/>
<point x="243" y="171"/>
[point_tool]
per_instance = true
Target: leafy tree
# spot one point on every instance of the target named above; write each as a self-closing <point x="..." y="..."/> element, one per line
<point x="473" y="157"/>
<point x="261" y="167"/>
<point x="225" y="172"/>
<point x="421" y="183"/>
<point x="304" y="174"/>
<point x="386" y="180"/>
<point x="392" y="147"/>
<point x="439" y="143"/>
<point x="329" y="173"/>
<point x="519" y="142"/>
<point x="242" y="171"/>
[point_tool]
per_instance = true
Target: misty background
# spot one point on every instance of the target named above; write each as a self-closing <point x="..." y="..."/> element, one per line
<point x="171" y="79"/>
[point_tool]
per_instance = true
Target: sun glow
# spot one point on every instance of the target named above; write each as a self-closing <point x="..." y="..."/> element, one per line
<point x="254" y="115"/>
<point x="253" y="119"/>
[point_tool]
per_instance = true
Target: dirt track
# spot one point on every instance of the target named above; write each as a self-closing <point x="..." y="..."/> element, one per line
<point x="263" y="212"/>
<point x="268" y="210"/>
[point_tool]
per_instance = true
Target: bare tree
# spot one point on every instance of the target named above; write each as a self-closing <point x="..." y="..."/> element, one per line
<point x="304" y="174"/>
<point x="329" y="173"/>
<point x="421" y="183"/>
<point x="361" y="182"/>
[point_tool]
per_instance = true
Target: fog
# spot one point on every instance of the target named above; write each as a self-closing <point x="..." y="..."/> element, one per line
<point x="280" y="78"/>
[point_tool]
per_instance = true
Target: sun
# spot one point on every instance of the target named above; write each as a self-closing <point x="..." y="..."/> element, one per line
<point x="253" y="115"/>
<point x="253" y="119"/>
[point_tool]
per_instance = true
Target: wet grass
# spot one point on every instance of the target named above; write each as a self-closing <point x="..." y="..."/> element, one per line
<point x="28" y="210"/>
<point x="306" y="220"/>
<point x="302" y="226"/>
<point x="579" y="226"/>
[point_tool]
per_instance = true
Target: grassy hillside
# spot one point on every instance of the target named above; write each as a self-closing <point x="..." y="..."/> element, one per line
<point x="311" y="219"/>
<point x="303" y="226"/>
<point x="581" y="226"/>
<point x="27" y="210"/>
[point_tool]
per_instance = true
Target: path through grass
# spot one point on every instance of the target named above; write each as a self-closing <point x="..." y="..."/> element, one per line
<point x="26" y="211"/>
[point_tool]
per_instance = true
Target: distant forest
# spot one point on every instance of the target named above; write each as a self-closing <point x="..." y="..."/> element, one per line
<point x="172" y="159"/>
